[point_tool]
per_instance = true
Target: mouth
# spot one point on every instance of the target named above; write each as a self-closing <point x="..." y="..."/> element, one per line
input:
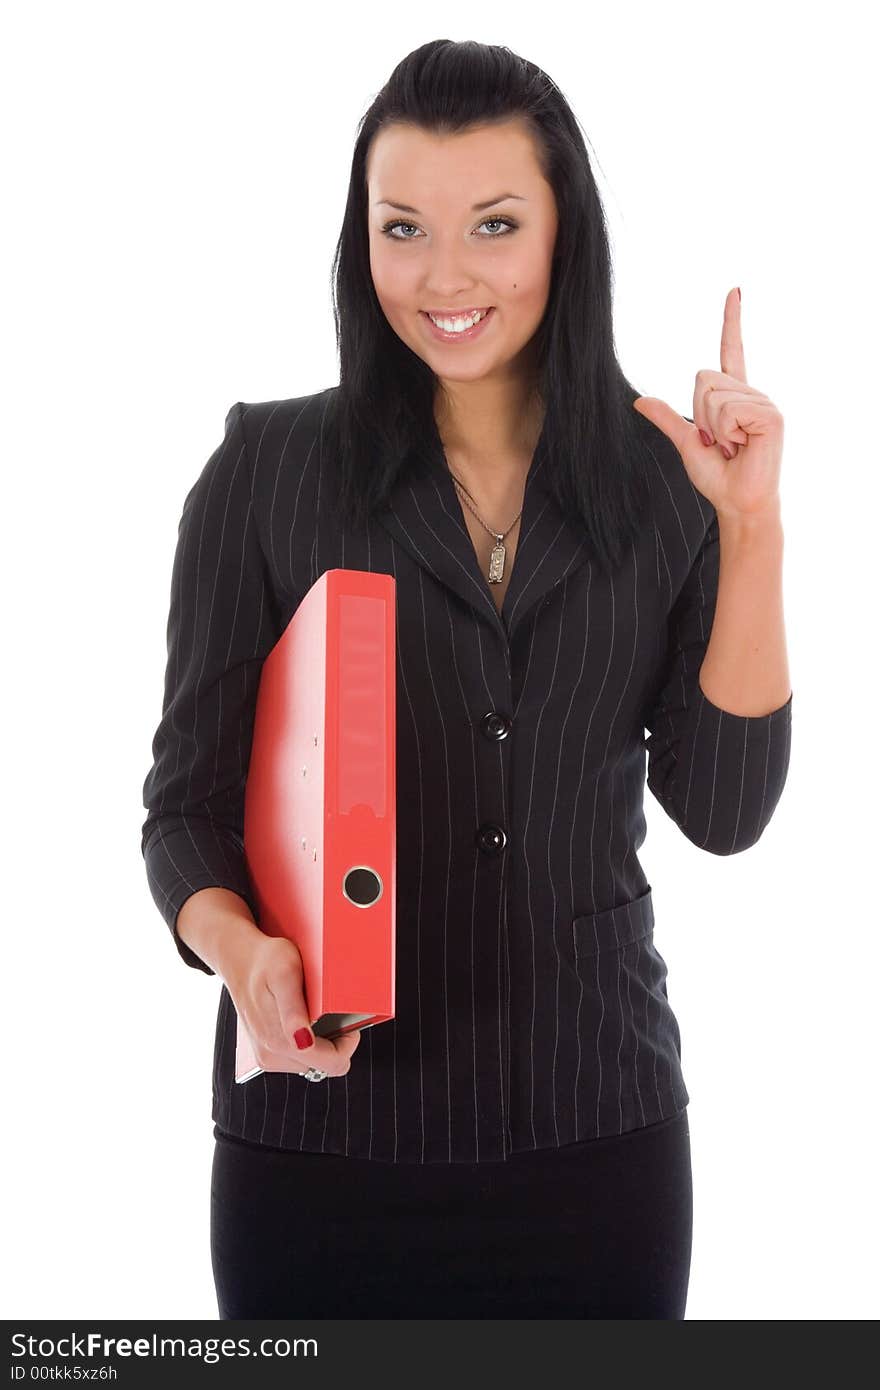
<point x="458" y="313"/>
<point x="463" y="334"/>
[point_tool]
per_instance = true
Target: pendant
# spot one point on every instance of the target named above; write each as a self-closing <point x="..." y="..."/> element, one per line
<point x="496" y="562"/>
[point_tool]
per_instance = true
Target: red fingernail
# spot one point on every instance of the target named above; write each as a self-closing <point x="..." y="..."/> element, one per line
<point x="740" y="293"/>
<point x="303" y="1038"/>
<point x="728" y="453"/>
<point x="706" y="438"/>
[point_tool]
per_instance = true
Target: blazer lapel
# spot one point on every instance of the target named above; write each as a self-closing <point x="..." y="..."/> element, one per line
<point x="424" y="514"/>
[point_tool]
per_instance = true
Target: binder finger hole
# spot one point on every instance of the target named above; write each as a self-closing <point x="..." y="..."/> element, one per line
<point x="362" y="886"/>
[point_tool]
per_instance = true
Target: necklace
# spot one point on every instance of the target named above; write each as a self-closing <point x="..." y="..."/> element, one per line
<point x="499" y="553"/>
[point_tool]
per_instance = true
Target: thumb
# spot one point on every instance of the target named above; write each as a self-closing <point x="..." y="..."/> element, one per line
<point x="676" y="427"/>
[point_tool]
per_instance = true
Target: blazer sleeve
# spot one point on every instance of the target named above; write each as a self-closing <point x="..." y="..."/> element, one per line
<point x="718" y="775"/>
<point x="222" y="623"/>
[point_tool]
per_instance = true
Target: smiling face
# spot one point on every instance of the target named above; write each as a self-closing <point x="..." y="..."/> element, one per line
<point x="440" y="252"/>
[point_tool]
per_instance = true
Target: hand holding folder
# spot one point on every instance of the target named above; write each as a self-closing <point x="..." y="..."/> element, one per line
<point x="320" y="802"/>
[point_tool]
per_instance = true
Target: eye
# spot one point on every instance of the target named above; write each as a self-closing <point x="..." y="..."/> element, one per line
<point x="508" y="222"/>
<point x="390" y="227"/>
<point x="499" y="222"/>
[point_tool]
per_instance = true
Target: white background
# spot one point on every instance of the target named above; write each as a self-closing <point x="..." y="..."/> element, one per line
<point x="175" y="177"/>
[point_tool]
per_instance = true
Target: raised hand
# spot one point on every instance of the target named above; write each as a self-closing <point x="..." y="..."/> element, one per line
<point x="733" y="450"/>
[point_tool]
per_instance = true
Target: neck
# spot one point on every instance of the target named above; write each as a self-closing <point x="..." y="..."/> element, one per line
<point x="489" y="427"/>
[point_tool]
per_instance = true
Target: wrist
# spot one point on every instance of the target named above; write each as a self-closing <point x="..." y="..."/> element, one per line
<point x="758" y="528"/>
<point x="218" y="925"/>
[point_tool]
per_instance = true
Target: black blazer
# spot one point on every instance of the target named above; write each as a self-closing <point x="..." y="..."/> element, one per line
<point x="532" y="1000"/>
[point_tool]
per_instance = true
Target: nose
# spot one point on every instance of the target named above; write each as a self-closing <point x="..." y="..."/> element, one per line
<point x="449" y="281"/>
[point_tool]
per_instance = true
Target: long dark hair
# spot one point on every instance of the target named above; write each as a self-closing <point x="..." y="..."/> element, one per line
<point x="383" y="416"/>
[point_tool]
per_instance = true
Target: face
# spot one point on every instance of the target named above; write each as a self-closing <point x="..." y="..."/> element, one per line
<point x="442" y="253"/>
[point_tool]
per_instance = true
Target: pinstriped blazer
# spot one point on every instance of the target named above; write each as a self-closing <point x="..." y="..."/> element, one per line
<point x="532" y="1000"/>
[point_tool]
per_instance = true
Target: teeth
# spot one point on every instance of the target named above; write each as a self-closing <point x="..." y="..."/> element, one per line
<point x="458" y="325"/>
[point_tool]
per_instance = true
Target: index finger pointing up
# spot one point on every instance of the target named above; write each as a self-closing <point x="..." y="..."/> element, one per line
<point x="733" y="361"/>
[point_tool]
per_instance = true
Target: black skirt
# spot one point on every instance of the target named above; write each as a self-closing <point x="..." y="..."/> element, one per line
<point x="598" y="1229"/>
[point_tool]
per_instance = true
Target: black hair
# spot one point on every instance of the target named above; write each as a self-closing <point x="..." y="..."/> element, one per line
<point x="383" y="413"/>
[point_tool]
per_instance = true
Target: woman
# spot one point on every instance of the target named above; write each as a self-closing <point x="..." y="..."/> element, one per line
<point x="515" y="1141"/>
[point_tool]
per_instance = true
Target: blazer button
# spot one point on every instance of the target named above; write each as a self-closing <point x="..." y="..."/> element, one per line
<point x="496" y="726"/>
<point x="491" y="839"/>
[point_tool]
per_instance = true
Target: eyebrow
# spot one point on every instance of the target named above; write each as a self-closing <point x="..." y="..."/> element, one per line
<point x="477" y="207"/>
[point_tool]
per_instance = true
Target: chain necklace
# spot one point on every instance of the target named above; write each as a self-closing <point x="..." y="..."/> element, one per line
<point x="499" y="553"/>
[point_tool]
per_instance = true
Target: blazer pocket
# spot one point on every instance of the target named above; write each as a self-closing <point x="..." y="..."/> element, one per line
<point x="614" y="927"/>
